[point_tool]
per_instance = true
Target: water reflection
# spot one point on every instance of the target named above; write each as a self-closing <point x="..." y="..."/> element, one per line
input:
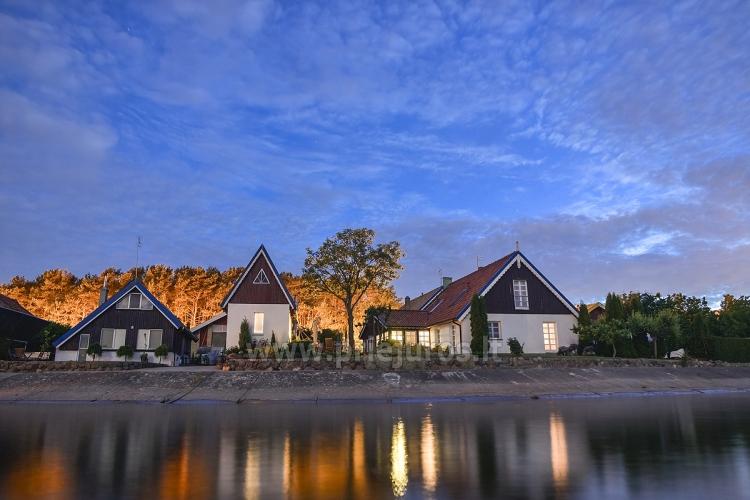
<point x="399" y="460"/>
<point x="681" y="447"/>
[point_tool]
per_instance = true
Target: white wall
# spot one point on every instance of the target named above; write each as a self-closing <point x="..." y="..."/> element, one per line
<point x="112" y="356"/>
<point x="527" y="328"/>
<point x="276" y="319"/>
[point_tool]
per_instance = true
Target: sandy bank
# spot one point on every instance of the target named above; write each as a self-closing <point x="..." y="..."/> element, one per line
<point x="171" y="386"/>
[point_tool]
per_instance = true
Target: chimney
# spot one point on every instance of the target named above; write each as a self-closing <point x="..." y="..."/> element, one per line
<point x="407" y="301"/>
<point x="447" y="280"/>
<point x="103" y="292"/>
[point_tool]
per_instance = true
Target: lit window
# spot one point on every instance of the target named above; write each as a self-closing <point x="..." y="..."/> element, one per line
<point x="261" y="279"/>
<point x="495" y="333"/>
<point x="520" y="294"/>
<point x="550" y="336"/>
<point x="112" y="338"/>
<point x="258" y="319"/>
<point x="149" y="340"/>
<point x="424" y="337"/>
<point x="397" y="335"/>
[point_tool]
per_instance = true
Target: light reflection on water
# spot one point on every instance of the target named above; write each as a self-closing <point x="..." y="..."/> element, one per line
<point x="618" y="448"/>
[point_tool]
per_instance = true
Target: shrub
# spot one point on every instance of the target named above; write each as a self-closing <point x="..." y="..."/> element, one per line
<point x="244" y="335"/>
<point x="125" y="351"/>
<point x="144" y="357"/>
<point x="232" y="350"/>
<point x="161" y="352"/>
<point x="516" y="348"/>
<point x="273" y="338"/>
<point x="729" y="349"/>
<point x="49" y="333"/>
<point x="94" y="350"/>
<point x="611" y="332"/>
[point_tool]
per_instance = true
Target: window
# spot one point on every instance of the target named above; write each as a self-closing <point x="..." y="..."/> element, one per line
<point x="397" y="335"/>
<point x="261" y="279"/>
<point x="219" y="339"/>
<point x="135" y="301"/>
<point x="495" y="332"/>
<point x="112" y="338"/>
<point x="424" y="337"/>
<point x="258" y="323"/>
<point x="520" y="294"/>
<point x="149" y="340"/>
<point x="550" y="336"/>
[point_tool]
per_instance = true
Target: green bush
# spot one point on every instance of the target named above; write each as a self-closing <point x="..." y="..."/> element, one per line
<point x="516" y="348"/>
<point x="125" y="351"/>
<point x="94" y="350"/>
<point x="730" y="349"/>
<point x="232" y="350"/>
<point x="161" y="352"/>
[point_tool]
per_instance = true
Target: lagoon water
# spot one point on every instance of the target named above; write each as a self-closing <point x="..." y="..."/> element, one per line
<point x="678" y="446"/>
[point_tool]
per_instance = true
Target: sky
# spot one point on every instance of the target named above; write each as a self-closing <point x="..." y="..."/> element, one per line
<point x="612" y="140"/>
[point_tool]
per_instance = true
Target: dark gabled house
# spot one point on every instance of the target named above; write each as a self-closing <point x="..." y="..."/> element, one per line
<point x="133" y="317"/>
<point x="18" y="326"/>
<point x="521" y="303"/>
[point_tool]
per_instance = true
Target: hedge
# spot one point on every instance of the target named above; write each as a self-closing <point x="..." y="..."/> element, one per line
<point x="730" y="349"/>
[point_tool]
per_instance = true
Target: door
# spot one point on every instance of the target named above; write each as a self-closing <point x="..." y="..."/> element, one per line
<point x="83" y="346"/>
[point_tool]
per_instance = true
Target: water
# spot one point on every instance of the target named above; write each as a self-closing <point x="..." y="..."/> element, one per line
<point x="679" y="447"/>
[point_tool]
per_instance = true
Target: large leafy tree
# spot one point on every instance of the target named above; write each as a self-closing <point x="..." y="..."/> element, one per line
<point x="348" y="265"/>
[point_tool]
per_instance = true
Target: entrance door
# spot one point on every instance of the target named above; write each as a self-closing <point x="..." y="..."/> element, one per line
<point x="83" y="346"/>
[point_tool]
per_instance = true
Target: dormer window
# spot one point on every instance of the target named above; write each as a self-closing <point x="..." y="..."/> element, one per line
<point x="261" y="279"/>
<point x="135" y="301"/>
<point x="520" y="294"/>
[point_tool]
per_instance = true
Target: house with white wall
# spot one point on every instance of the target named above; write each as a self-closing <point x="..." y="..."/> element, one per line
<point x="259" y="296"/>
<point x="521" y="302"/>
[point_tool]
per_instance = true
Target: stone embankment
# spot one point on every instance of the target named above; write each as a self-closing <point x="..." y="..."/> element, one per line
<point x="207" y="384"/>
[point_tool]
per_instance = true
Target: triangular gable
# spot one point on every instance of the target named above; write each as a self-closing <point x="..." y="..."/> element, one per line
<point x="520" y="258"/>
<point x="261" y="278"/>
<point x="261" y="252"/>
<point x="133" y="285"/>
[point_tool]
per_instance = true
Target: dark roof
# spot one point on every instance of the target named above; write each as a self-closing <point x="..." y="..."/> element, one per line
<point x="449" y="302"/>
<point x="135" y="284"/>
<point x="417" y="303"/>
<point x="241" y="277"/>
<point x="12" y="305"/>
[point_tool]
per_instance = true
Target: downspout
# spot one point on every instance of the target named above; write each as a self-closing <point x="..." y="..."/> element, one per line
<point x="460" y="335"/>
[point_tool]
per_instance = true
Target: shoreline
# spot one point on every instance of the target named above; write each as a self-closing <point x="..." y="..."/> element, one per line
<point x="210" y="386"/>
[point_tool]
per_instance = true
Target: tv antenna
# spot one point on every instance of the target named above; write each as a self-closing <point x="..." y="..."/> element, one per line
<point x="138" y="244"/>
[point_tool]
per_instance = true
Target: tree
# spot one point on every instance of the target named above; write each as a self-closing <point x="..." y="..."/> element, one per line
<point x="94" y="350"/>
<point x="613" y="307"/>
<point x="666" y="332"/>
<point x="161" y="351"/>
<point x="49" y="333"/>
<point x="610" y="332"/>
<point x="480" y="328"/>
<point x="348" y="265"/>
<point x="244" y="335"/>
<point x="584" y="318"/>
<point x="125" y="351"/>
<point x="273" y="338"/>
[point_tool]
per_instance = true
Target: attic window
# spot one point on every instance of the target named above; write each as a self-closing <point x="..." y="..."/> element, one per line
<point x="261" y="279"/>
<point x="521" y="294"/>
<point x="135" y="301"/>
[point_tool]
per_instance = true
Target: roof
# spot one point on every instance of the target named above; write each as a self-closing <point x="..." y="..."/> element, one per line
<point x="261" y="251"/>
<point x="133" y="285"/>
<point x="209" y="321"/>
<point x="418" y="303"/>
<point x="446" y="303"/>
<point x="12" y="305"/>
<point x="595" y="305"/>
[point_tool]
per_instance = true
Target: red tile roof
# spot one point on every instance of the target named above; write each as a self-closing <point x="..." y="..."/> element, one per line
<point x="451" y="301"/>
<point x="13" y="305"/>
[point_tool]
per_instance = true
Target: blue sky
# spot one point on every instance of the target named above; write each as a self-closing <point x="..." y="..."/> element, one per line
<point x="611" y="139"/>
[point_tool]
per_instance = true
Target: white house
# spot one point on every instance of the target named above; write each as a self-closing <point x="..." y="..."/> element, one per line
<point x="258" y="295"/>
